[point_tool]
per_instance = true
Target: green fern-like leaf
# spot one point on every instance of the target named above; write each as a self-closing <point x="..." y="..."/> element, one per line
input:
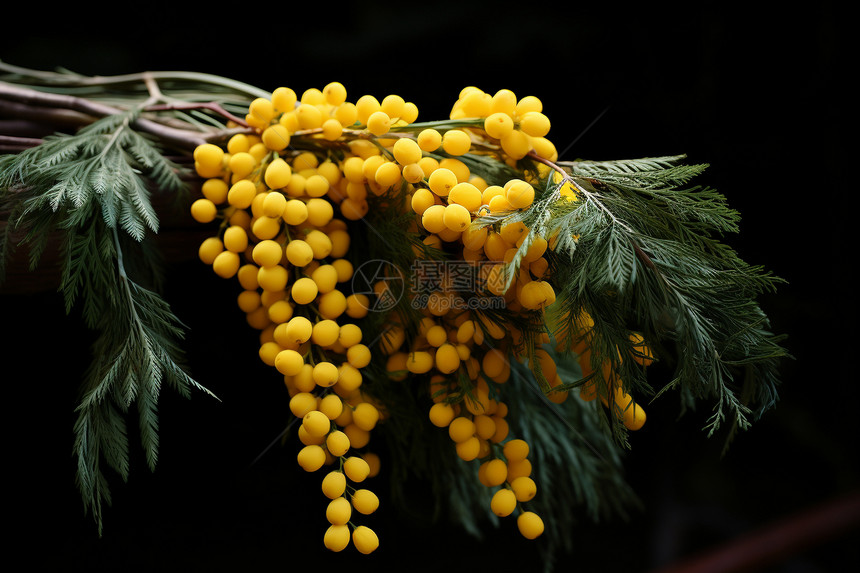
<point x="91" y="191"/>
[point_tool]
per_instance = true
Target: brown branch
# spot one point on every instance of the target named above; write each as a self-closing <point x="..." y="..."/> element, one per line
<point x="49" y="102"/>
<point x="211" y="106"/>
<point x="15" y="144"/>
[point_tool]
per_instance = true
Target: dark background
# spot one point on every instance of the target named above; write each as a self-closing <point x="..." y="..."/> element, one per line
<point x="756" y="94"/>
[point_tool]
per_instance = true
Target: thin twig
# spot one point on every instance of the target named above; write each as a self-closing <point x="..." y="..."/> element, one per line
<point x="182" y="137"/>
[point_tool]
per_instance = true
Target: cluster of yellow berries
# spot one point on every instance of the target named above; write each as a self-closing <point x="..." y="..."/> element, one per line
<point x="285" y="190"/>
<point x="622" y="405"/>
<point x="459" y="350"/>
<point x="279" y="236"/>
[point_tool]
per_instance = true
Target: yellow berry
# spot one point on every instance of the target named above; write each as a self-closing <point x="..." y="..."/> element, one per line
<point x="421" y="200"/>
<point x="441" y="181"/>
<point x="387" y="174"/>
<point x="378" y="123"/>
<point x="413" y="173"/>
<point x="289" y="362"/>
<point x="295" y="212"/>
<point x="337" y="537"/>
<point x="248" y="301"/>
<point x="215" y="190"/>
<point x="316" y="185"/>
<point x="456" y="142"/>
<point x="419" y="362"/>
<point x="530" y="524"/>
<point x="524" y="488"/>
<point x="299" y="253"/>
<point x="284" y="99"/>
<point x="346" y="114"/>
<point x="242" y="164"/>
<point x="475" y="103"/>
<point x="203" y="210"/>
<point x="302" y="403"/>
<point x="468" y="449"/>
<point x="515" y="450"/>
<point x="274" y="204"/>
<point x="365" y="416"/>
<point x="331" y="405"/>
<point x="515" y="144"/>
<point x="208" y="154"/>
<point x="262" y="108"/>
<point x="527" y="104"/>
<point x="356" y="468"/>
<point x="433" y="218"/>
<point x="365" y="501"/>
<point x="334" y="93"/>
<point x="316" y="423"/>
<point x="358" y="355"/>
<point x="276" y="137"/>
<point x="325" y="277"/>
<point x="467" y="195"/>
<point x="309" y="116"/>
<point x="499" y="124"/>
<point x="519" y="193"/>
<point x="235" y="239"/>
<point x="406" y="151"/>
<point x="447" y="358"/>
<point x="311" y="457"/>
<point x="461" y="429"/>
<point x="456" y="217"/>
<point x="280" y="311"/>
<point x="503" y="503"/>
<point x="278" y="174"/>
<point x="354" y="209"/>
<point x="365" y="539"/>
<point x="226" y="264"/>
<point x="325" y="374"/>
<point x="373" y="462"/>
<point x="320" y="212"/>
<point x="320" y="243"/>
<point x="441" y="414"/>
<point x="337" y="443"/>
<point x="241" y="194"/>
<point x="365" y="106"/>
<point x="331" y="304"/>
<point x="334" y="484"/>
<point x="429" y="139"/>
<point x="394" y="105"/>
<point x="338" y="511"/>
<point x="304" y="290"/>
<point x="297" y="331"/>
<point x="495" y="472"/>
<point x="267" y="253"/>
<point x="534" y="123"/>
<point x="238" y="142"/>
<point x="504" y="101"/>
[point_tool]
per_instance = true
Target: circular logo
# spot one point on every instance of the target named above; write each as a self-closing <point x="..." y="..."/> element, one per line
<point x="381" y="282"/>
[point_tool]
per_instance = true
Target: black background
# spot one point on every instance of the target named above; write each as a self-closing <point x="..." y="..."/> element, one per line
<point x="758" y="95"/>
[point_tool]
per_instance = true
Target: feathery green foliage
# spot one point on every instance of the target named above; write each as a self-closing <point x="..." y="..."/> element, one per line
<point x="641" y="250"/>
<point x="638" y="249"/>
<point x="93" y="190"/>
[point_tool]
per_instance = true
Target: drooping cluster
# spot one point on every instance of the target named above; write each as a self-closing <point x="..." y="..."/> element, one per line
<point x="281" y="237"/>
<point x="284" y="194"/>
